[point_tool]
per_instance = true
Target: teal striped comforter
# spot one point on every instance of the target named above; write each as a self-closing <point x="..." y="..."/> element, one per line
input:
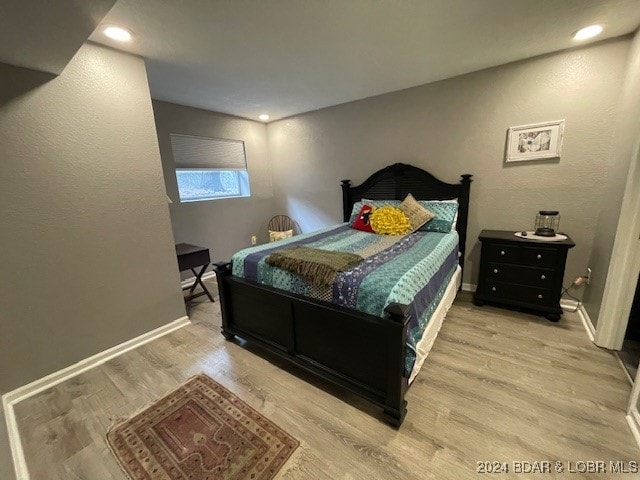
<point x="413" y="270"/>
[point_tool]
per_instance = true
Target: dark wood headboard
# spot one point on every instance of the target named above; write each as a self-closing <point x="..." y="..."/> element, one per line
<point x="396" y="181"/>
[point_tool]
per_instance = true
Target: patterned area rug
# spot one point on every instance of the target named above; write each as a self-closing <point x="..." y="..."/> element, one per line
<point x="201" y="431"/>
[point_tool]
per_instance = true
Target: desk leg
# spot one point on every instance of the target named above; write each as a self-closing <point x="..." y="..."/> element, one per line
<point x="198" y="281"/>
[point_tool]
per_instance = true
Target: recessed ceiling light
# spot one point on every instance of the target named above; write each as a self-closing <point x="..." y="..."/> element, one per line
<point x="588" y="32"/>
<point x="264" y="117"/>
<point x="117" y="33"/>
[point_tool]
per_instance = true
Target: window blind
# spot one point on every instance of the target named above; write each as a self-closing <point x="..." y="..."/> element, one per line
<point x="208" y="153"/>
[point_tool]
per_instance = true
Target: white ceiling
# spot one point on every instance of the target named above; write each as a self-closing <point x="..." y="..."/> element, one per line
<point x="283" y="57"/>
<point x="44" y="34"/>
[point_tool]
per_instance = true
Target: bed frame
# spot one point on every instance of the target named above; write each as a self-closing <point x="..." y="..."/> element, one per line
<point x="360" y="352"/>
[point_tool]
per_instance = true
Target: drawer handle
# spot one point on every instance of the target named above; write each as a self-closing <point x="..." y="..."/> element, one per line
<point x="502" y="252"/>
<point x="493" y="289"/>
<point x="542" y="277"/>
<point x="539" y="257"/>
<point x="495" y="270"/>
<point x="540" y="297"/>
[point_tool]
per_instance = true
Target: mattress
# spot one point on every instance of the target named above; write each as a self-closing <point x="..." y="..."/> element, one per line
<point x="423" y="346"/>
<point x="413" y="270"/>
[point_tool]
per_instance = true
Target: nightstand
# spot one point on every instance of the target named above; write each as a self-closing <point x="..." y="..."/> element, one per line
<point x="522" y="272"/>
<point x="191" y="257"/>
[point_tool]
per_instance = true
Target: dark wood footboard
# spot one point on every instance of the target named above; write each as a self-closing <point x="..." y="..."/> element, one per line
<point x="358" y="351"/>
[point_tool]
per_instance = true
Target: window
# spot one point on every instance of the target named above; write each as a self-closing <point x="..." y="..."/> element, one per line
<point x="209" y="168"/>
<point x="194" y="185"/>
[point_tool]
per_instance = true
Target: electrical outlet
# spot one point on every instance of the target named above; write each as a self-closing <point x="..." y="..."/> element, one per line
<point x="254" y="240"/>
<point x="588" y="275"/>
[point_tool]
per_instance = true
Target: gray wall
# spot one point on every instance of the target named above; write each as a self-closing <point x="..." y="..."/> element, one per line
<point x="224" y="225"/>
<point x="87" y="253"/>
<point x="623" y="150"/>
<point x="459" y="126"/>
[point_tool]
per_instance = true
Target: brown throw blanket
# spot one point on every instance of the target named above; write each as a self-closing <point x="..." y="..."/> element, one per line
<point x="317" y="266"/>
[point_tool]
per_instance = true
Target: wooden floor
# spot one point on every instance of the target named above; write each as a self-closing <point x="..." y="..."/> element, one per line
<point x="498" y="386"/>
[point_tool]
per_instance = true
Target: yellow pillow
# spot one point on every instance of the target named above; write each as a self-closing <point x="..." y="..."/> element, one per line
<point x="390" y="221"/>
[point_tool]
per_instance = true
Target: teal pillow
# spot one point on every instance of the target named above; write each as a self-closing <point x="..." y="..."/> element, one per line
<point x="446" y="214"/>
<point x="436" y="225"/>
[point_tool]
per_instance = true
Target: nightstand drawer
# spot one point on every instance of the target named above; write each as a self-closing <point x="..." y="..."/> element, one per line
<point x="521" y="255"/>
<point x="535" y="277"/>
<point x="520" y="293"/>
<point x="538" y="257"/>
<point x="500" y="253"/>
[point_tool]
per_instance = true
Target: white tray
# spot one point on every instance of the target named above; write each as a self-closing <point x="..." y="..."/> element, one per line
<point x="558" y="237"/>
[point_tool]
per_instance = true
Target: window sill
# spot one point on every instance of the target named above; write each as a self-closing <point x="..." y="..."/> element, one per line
<point x="195" y="200"/>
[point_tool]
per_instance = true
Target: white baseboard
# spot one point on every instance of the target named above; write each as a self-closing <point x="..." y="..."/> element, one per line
<point x="634" y="425"/>
<point x="469" y="287"/>
<point x="17" y="454"/>
<point x="21" y="393"/>
<point x="569" y="304"/>
<point x="590" y="329"/>
<point x="623" y="367"/>
<point x="187" y="282"/>
<point x="53" y="379"/>
<point x="583" y="314"/>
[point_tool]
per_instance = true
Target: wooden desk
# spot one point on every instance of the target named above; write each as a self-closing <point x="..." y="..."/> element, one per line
<point x="191" y="257"/>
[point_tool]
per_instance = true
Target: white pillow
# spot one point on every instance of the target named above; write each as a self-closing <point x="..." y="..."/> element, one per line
<point x="275" y="235"/>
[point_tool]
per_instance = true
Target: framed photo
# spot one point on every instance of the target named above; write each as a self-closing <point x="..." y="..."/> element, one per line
<point x="534" y="142"/>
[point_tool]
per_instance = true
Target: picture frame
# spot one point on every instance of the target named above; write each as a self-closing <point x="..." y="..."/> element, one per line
<point x="537" y="141"/>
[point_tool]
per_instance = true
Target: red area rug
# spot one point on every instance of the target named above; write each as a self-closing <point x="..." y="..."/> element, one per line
<point x="201" y="431"/>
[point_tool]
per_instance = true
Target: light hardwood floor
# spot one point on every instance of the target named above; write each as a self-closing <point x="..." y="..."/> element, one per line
<point x="498" y="385"/>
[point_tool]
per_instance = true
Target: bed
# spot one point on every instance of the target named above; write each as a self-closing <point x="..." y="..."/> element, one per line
<point x="373" y="351"/>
